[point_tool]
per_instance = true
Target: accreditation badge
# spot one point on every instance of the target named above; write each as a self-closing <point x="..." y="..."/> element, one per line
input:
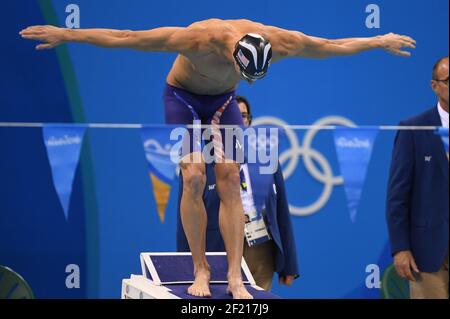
<point x="255" y="229"/>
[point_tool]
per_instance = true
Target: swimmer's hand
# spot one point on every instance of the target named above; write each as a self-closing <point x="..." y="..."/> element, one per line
<point x="394" y="43"/>
<point x="50" y="35"/>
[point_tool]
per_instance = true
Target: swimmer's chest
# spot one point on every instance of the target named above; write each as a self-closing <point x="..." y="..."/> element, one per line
<point x="215" y="67"/>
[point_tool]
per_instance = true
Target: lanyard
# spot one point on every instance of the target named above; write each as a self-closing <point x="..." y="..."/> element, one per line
<point x="243" y="181"/>
<point x="245" y="194"/>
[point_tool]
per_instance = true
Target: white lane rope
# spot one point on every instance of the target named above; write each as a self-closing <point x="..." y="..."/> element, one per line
<point x="140" y="126"/>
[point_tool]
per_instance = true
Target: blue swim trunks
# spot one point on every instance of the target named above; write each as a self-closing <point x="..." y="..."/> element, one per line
<point x="183" y="107"/>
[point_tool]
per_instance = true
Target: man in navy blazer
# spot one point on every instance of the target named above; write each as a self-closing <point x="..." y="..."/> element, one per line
<point x="418" y="198"/>
<point x="279" y="254"/>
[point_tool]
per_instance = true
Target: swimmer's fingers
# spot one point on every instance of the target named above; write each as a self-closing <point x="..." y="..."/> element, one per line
<point x="44" y="46"/>
<point x="394" y="44"/>
<point x="402" y="53"/>
<point x="408" y="44"/>
<point x="50" y="35"/>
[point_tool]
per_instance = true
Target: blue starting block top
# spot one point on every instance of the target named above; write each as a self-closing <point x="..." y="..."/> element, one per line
<point x="168" y="276"/>
<point x="219" y="291"/>
<point x="177" y="268"/>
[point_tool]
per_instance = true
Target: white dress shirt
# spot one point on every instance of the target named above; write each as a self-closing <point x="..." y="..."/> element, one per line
<point x="444" y="115"/>
<point x="247" y="196"/>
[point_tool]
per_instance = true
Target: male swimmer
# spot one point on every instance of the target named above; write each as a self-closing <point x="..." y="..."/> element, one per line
<point x="214" y="56"/>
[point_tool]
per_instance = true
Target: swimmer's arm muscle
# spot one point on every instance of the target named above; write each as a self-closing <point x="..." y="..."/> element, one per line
<point x="297" y="44"/>
<point x="166" y="39"/>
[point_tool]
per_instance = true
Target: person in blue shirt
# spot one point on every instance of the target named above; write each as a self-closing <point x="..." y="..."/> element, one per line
<point x="275" y="252"/>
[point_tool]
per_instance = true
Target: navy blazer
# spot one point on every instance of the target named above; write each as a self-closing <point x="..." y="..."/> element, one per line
<point x="417" y="197"/>
<point x="277" y="218"/>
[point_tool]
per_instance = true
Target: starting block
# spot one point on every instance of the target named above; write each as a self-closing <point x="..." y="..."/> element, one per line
<point x="168" y="276"/>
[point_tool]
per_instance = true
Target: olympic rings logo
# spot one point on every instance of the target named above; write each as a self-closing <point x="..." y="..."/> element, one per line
<point x="261" y="141"/>
<point x="323" y="174"/>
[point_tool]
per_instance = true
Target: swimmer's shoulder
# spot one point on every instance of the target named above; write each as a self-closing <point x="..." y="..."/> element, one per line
<point x="227" y="25"/>
<point x="208" y="24"/>
<point x="216" y="31"/>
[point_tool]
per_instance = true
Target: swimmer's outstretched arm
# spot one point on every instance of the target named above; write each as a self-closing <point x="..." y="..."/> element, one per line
<point x="166" y="39"/>
<point x="296" y="44"/>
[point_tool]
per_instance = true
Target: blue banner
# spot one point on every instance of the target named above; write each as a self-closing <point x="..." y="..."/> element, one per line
<point x="162" y="157"/>
<point x="63" y="145"/>
<point x="354" y="150"/>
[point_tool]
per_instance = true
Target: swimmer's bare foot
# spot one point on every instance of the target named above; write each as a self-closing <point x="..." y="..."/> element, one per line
<point x="237" y="289"/>
<point x="200" y="287"/>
